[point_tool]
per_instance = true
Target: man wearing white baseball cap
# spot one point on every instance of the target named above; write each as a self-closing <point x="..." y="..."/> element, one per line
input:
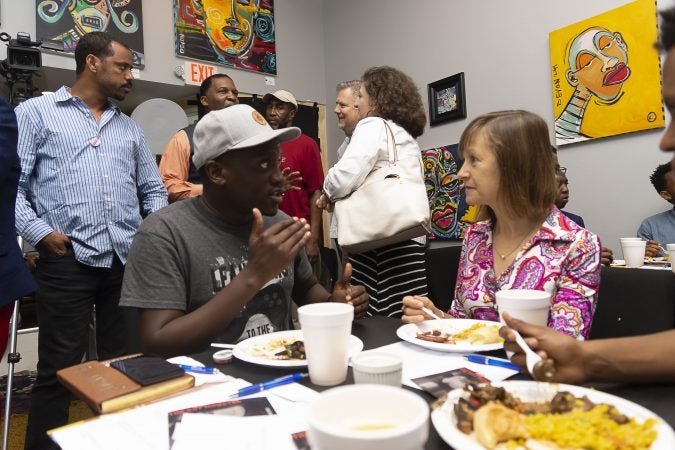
<point x="212" y="268"/>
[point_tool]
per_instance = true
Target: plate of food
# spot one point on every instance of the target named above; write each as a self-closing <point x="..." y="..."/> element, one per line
<point x="453" y="335"/>
<point x="281" y="349"/>
<point x="662" y="260"/>
<point x="530" y="415"/>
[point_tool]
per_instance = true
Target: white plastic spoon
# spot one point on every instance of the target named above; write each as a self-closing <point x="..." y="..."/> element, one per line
<point x="540" y="369"/>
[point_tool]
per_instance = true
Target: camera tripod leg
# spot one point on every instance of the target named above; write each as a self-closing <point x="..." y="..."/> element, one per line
<point x="13" y="357"/>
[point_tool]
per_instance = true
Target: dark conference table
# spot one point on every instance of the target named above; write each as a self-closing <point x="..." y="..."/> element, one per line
<point x="378" y="331"/>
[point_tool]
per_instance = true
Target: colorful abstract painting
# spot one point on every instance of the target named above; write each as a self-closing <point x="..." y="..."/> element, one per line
<point x="446" y="100"/>
<point x="605" y="75"/>
<point x="450" y="214"/>
<point x="231" y="33"/>
<point x="67" y="21"/>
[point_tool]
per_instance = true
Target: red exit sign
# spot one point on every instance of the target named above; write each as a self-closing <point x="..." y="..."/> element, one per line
<point x="195" y="73"/>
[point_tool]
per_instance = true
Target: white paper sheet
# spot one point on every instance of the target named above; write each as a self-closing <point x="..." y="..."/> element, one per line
<point x="294" y="392"/>
<point x="236" y="433"/>
<point x="419" y="362"/>
<point x="146" y="427"/>
<point x="142" y="428"/>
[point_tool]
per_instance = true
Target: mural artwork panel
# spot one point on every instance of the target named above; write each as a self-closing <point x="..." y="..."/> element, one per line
<point x="67" y="21"/>
<point x="450" y="215"/>
<point x="231" y="33"/>
<point x="605" y="75"/>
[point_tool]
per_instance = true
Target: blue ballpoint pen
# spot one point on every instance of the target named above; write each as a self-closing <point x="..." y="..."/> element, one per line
<point x="489" y="361"/>
<point x="248" y="390"/>
<point x="199" y="369"/>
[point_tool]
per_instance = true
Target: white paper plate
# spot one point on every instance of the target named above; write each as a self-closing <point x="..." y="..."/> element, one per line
<point x="243" y="350"/>
<point x="409" y="333"/>
<point x="657" y="260"/>
<point x="445" y="422"/>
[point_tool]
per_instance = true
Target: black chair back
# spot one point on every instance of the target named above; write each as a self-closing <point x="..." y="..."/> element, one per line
<point x="442" y="264"/>
<point x="633" y="302"/>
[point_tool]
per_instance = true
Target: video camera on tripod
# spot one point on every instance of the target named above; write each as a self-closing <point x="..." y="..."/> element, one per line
<point x="24" y="59"/>
<point x="23" y="55"/>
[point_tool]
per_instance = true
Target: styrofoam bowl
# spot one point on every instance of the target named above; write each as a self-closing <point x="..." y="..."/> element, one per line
<point x="368" y="417"/>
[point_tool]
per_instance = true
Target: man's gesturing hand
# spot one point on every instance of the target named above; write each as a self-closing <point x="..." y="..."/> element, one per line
<point x="271" y="250"/>
<point x="346" y="293"/>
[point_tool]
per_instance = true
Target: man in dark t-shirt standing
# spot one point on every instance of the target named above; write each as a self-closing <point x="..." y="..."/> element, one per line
<point x="212" y="268"/>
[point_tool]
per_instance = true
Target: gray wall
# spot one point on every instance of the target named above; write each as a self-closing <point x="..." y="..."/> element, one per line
<point x="299" y="41"/>
<point x="502" y="47"/>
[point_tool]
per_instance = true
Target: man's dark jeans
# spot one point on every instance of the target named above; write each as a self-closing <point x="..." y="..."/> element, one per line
<point x="68" y="291"/>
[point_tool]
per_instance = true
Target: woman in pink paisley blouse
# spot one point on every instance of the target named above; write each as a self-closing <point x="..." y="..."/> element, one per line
<point x="522" y="241"/>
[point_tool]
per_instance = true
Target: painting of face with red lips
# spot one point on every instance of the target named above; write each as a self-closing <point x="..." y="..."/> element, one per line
<point x="444" y="191"/>
<point x="605" y="75"/>
<point x="597" y="67"/>
<point x="598" y="63"/>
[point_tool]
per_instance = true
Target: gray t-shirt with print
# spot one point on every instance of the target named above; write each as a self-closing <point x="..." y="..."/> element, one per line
<point x="183" y="255"/>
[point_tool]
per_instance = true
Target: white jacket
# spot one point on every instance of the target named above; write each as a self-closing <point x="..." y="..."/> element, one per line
<point x="367" y="150"/>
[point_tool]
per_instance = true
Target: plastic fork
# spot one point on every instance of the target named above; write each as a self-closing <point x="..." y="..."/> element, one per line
<point x="444" y="326"/>
<point x="219" y="345"/>
<point x="540" y="369"/>
<point x="431" y="313"/>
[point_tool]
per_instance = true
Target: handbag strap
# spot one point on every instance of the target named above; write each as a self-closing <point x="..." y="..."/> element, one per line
<point x="390" y="133"/>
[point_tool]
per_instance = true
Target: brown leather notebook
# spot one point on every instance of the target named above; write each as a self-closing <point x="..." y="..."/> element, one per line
<point x="105" y="389"/>
<point x="95" y="383"/>
<point x="148" y="393"/>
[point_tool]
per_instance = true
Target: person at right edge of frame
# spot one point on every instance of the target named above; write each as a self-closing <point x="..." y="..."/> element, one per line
<point x="648" y="358"/>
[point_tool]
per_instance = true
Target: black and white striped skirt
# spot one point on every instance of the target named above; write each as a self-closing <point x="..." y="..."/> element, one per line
<point x="388" y="274"/>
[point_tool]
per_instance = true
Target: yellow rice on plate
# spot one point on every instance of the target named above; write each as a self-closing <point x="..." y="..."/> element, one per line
<point x="593" y="430"/>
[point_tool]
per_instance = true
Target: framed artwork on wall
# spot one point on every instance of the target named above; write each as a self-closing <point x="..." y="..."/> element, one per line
<point x="446" y="99"/>
<point x="605" y="75"/>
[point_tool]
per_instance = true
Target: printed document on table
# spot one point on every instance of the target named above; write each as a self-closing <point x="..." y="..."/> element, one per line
<point x="146" y="427"/>
<point x="142" y="428"/>
<point x="252" y="432"/>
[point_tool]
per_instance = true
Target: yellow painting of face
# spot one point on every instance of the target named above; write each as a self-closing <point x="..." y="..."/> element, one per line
<point x="605" y="74"/>
<point x="229" y="24"/>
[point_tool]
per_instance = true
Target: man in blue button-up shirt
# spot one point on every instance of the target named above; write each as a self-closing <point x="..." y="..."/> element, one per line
<point x="87" y="179"/>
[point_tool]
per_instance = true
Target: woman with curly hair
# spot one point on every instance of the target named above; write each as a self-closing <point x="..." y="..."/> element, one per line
<point x="386" y="97"/>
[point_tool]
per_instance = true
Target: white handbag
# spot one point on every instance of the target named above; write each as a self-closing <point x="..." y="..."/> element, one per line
<point x="390" y="206"/>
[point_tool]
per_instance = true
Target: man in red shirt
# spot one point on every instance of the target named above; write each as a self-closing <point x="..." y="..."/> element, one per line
<point x="303" y="155"/>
